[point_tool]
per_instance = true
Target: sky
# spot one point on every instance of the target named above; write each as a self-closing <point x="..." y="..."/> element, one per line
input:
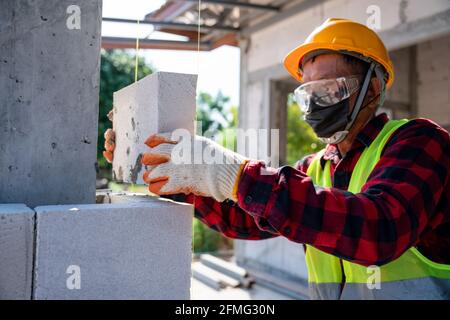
<point x="217" y="69"/>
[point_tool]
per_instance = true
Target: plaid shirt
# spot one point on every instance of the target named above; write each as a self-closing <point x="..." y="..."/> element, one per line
<point x="405" y="202"/>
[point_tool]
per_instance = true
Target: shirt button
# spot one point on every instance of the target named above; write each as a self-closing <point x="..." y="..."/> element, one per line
<point x="248" y="199"/>
<point x="287" y="230"/>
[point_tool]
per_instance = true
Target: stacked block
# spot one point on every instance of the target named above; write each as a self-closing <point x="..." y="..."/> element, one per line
<point x="133" y="248"/>
<point x="16" y="251"/>
<point x="160" y="102"/>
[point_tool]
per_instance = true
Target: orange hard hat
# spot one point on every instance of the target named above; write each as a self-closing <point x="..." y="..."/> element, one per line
<point x="341" y="35"/>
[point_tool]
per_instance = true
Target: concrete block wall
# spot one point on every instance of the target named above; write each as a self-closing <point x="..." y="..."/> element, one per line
<point x="134" y="249"/>
<point x="430" y="86"/>
<point x="160" y="102"/>
<point x="49" y="84"/>
<point x="127" y="247"/>
<point x="130" y="248"/>
<point x="16" y="251"/>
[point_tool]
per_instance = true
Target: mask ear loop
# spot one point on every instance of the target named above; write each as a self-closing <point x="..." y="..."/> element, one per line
<point x="361" y="96"/>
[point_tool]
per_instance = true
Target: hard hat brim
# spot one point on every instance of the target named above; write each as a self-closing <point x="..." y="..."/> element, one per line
<point x="293" y="58"/>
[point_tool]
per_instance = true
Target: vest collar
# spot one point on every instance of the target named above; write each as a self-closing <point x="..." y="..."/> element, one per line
<point x="372" y="129"/>
<point x="364" y="138"/>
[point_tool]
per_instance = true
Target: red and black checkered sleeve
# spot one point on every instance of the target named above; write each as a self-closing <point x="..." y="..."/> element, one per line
<point x="375" y="226"/>
<point x="227" y="218"/>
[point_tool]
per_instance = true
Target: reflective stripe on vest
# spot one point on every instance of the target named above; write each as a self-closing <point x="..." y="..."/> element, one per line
<point x="411" y="276"/>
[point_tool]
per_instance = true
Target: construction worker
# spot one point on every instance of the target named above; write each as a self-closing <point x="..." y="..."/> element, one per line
<point x="372" y="208"/>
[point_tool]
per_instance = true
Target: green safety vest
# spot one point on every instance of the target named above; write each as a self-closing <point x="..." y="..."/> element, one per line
<point x="411" y="276"/>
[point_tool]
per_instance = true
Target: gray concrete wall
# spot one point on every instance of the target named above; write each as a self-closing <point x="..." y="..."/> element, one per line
<point x="49" y="84"/>
<point x="130" y="248"/>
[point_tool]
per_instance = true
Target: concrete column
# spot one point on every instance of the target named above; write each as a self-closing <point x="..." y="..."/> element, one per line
<point x="16" y="251"/>
<point x="160" y="102"/>
<point x="135" y="247"/>
<point x="49" y="78"/>
<point x="433" y="80"/>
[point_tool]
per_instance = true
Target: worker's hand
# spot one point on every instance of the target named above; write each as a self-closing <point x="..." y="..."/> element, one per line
<point x="191" y="164"/>
<point x="110" y="142"/>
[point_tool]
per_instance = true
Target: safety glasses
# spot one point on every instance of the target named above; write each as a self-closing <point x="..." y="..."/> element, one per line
<point x="326" y="92"/>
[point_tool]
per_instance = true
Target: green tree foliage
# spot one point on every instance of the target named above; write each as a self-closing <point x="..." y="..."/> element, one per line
<point x="205" y="239"/>
<point x="213" y="113"/>
<point x="301" y="139"/>
<point x="116" y="71"/>
<point x="217" y="119"/>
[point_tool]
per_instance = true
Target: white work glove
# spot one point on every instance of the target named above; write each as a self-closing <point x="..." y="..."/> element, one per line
<point x="191" y="164"/>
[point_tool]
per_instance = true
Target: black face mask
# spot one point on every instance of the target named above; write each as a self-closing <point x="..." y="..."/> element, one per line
<point x="326" y="121"/>
<point x="332" y="123"/>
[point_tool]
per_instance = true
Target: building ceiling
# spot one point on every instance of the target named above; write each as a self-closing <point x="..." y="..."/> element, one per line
<point x="220" y="23"/>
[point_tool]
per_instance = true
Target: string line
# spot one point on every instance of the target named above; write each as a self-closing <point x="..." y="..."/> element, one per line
<point x="136" y="63"/>
<point x="198" y="73"/>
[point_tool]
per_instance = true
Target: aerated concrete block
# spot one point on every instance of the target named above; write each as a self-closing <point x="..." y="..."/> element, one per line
<point x="49" y="88"/>
<point x="160" y="102"/>
<point x="16" y="251"/>
<point x="134" y="248"/>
